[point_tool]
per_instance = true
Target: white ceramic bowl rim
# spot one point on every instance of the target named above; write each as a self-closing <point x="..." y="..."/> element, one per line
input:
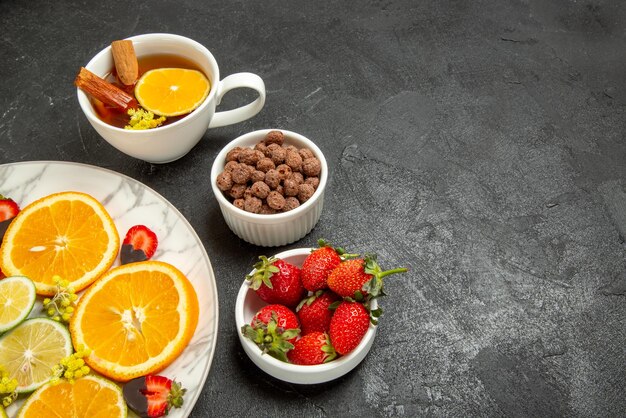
<point x="85" y="103"/>
<point x="276" y="217"/>
<point x="296" y="368"/>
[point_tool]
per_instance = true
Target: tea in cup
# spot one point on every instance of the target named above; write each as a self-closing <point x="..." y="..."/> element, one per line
<point x="180" y="134"/>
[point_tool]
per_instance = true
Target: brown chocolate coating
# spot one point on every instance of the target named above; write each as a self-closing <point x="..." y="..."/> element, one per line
<point x="252" y="204"/>
<point x="224" y="181"/>
<point x="311" y="167"/>
<point x="240" y="174"/>
<point x="265" y="164"/>
<point x="272" y="178"/>
<point x="290" y="187"/>
<point x="291" y="203"/>
<point x="275" y="200"/>
<point x="305" y="192"/>
<point x="274" y="137"/>
<point x="260" y="189"/>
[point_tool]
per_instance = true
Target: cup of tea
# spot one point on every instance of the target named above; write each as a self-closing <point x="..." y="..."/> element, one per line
<point x="172" y="141"/>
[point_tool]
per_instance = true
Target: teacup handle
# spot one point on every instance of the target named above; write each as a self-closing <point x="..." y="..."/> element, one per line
<point x="234" y="81"/>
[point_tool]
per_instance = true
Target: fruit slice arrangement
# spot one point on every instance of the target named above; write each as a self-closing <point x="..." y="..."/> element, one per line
<point x="129" y="323"/>
<point x="69" y="234"/>
<point x="318" y="312"/>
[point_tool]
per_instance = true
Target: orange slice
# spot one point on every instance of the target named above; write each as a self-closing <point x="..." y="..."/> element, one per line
<point x="90" y="396"/>
<point x="136" y="319"/>
<point x="172" y="91"/>
<point x="69" y="234"/>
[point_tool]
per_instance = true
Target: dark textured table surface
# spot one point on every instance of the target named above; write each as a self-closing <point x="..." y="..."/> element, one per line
<point x="480" y="144"/>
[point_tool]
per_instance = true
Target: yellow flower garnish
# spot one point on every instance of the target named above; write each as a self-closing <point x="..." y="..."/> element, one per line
<point x="143" y="119"/>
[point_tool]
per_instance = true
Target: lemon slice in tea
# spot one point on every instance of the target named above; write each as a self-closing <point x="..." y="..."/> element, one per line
<point x="89" y="396"/>
<point x="29" y="351"/>
<point x="172" y="91"/>
<point x="17" y="298"/>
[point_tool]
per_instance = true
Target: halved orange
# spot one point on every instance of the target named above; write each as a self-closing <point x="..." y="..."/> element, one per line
<point x="136" y="319"/>
<point x="90" y="396"/>
<point x="172" y="91"/>
<point x="69" y="234"/>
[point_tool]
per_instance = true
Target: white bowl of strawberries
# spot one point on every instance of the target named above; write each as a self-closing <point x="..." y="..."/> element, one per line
<point x="308" y="315"/>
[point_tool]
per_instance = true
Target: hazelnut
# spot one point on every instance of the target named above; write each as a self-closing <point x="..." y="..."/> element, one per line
<point x="274" y="137"/>
<point x="266" y="210"/>
<point x="293" y="160"/>
<point x="306" y="153"/>
<point x="272" y="178"/>
<point x="233" y="154"/>
<point x="261" y="147"/>
<point x="311" y="167"/>
<point x="240" y="174"/>
<point x="252" y="204"/>
<point x="313" y="181"/>
<point x="260" y="189"/>
<point x="278" y="155"/>
<point x="224" y="181"/>
<point x="305" y="192"/>
<point x="230" y="165"/>
<point x="238" y="203"/>
<point x="248" y="156"/>
<point x="265" y="164"/>
<point x="291" y="203"/>
<point x="290" y="187"/>
<point x="284" y="171"/>
<point x="237" y="191"/>
<point x="257" y="176"/>
<point x="275" y="200"/>
<point x="297" y="177"/>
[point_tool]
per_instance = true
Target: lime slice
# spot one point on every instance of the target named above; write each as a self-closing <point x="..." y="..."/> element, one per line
<point x="17" y="298"/>
<point x="29" y="351"/>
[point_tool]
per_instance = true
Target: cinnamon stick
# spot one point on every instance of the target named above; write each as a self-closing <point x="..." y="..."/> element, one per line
<point x="125" y="61"/>
<point x="104" y="91"/>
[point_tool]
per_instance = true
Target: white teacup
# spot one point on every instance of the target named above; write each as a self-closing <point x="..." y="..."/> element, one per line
<point x="171" y="142"/>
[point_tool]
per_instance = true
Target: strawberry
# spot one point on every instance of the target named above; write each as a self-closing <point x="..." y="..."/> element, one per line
<point x="8" y="210"/>
<point x="318" y="265"/>
<point x="348" y="326"/>
<point x="359" y="278"/>
<point x="314" y="312"/>
<point x="311" y="349"/>
<point x="153" y="396"/>
<point x="277" y="281"/>
<point x="139" y="244"/>
<point x="274" y="329"/>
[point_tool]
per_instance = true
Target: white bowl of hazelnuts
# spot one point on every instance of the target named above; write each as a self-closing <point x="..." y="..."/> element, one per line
<point x="270" y="186"/>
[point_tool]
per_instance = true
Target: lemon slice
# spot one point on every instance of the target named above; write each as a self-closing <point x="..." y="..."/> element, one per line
<point x="172" y="91"/>
<point x="17" y="298"/>
<point x="3" y="414"/>
<point x="89" y="396"/>
<point x="29" y="351"/>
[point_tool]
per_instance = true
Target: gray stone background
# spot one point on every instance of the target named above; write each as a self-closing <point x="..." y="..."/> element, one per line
<point x="478" y="143"/>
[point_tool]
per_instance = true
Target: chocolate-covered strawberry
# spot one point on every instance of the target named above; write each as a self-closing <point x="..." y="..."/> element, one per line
<point x="314" y="311"/>
<point x="273" y="329"/>
<point x="277" y="281"/>
<point x="359" y="278"/>
<point x="311" y="349"/>
<point x="8" y="210"/>
<point x="153" y="396"/>
<point x="140" y="244"/>
<point x="318" y="265"/>
<point x="348" y="326"/>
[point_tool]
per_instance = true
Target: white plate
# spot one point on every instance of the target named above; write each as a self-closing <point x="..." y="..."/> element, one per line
<point x="129" y="203"/>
